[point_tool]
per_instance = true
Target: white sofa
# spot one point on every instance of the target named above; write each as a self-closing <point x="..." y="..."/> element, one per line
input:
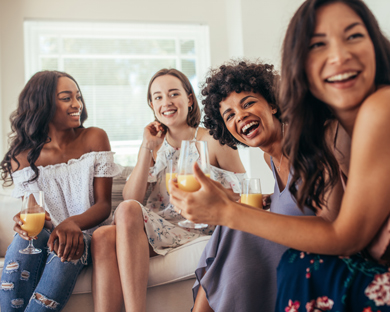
<point x="170" y="277"/>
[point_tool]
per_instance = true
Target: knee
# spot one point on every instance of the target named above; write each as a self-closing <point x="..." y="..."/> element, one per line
<point x="103" y="240"/>
<point x="129" y="214"/>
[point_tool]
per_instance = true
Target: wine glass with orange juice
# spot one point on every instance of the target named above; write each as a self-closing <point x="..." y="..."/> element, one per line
<point x="171" y="173"/>
<point x="192" y="151"/>
<point x="32" y="215"/>
<point x="251" y="193"/>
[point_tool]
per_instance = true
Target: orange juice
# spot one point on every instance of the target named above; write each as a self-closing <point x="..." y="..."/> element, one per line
<point x="254" y="200"/>
<point x="189" y="183"/>
<point x="169" y="176"/>
<point x="32" y="223"/>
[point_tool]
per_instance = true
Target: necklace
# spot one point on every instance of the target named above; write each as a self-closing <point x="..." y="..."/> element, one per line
<point x="281" y="157"/>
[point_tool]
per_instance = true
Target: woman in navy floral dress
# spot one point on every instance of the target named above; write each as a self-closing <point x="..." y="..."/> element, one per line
<point x="335" y="84"/>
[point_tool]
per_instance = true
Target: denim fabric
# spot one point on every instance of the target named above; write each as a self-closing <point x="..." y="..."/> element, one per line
<point x="25" y="275"/>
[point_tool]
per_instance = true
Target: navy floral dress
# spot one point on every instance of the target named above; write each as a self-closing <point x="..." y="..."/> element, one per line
<point x="313" y="283"/>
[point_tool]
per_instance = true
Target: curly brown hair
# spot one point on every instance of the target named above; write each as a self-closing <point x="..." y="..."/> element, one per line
<point x="236" y="76"/>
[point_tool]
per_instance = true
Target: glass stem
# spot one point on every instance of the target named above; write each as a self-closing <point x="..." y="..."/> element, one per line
<point x="30" y="244"/>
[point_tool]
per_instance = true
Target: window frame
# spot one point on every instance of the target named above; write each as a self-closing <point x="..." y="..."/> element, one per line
<point x="33" y="29"/>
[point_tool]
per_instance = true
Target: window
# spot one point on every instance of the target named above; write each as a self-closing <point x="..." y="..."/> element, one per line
<point x="113" y="63"/>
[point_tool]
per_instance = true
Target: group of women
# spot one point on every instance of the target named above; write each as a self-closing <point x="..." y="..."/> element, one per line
<point x="323" y="127"/>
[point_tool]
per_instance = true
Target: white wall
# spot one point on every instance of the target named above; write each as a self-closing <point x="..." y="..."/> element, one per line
<point x="250" y="28"/>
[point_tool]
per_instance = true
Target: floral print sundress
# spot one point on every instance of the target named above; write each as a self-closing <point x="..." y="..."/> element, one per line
<point x="161" y="220"/>
<point x="313" y="283"/>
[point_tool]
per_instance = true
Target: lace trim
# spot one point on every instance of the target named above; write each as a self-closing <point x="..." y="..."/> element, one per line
<point x="70" y="161"/>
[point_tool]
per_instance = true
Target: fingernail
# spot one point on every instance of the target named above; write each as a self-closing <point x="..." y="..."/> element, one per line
<point x="59" y="255"/>
<point x="77" y="253"/>
<point x="62" y="260"/>
<point x="20" y="223"/>
<point x="69" y="259"/>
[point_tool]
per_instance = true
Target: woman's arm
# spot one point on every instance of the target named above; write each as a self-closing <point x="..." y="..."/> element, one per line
<point x="136" y="185"/>
<point x="360" y="216"/>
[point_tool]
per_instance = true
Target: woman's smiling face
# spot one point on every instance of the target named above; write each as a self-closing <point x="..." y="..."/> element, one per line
<point x="170" y="101"/>
<point x="69" y="104"/>
<point x="249" y="118"/>
<point x="341" y="65"/>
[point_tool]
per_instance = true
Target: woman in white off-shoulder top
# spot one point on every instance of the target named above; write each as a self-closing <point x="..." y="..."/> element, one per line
<point x="50" y="150"/>
<point x="146" y="223"/>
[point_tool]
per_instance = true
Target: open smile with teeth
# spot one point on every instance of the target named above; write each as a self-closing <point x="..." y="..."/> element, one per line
<point x="250" y="128"/>
<point x="75" y="114"/>
<point x="170" y="112"/>
<point x="342" y="77"/>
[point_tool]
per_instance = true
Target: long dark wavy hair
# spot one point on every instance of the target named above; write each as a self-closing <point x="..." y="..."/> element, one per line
<point x="30" y="121"/>
<point x="193" y="117"/>
<point x="315" y="167"/>
<point x="236" y="76"/>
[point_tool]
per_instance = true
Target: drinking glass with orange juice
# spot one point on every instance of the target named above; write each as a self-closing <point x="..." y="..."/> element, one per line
<point x="32" y="215"/>
<point x="251" y="193"/>
<point x="192" y="151"/>
<point x="170" y="174"/>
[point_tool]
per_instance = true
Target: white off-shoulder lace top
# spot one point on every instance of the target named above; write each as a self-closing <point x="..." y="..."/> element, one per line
<point x="68" y="187"/>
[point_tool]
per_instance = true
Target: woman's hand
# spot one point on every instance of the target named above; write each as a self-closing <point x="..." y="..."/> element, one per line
<point x="206" y="205"/>
<point x="18" y="222"/>
<point x="153" y="135"/>
<point x="67" y="241"/>
<point x="23" y="234"/>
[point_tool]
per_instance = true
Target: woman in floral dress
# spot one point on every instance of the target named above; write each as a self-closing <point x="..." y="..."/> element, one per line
<point x="335" y="74"/>
<point x="121" y="251"/>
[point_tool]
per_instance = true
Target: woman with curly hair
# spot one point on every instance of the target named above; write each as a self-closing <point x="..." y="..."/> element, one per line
<point x="237" y="270"/>
<point x="335" y="74"/>
<point x="51" y="151"/>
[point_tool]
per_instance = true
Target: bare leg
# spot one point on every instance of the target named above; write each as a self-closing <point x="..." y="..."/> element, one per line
<point x="132" y="254"/>
<point x="106" y="283"/>
<point x="201" y="302"/>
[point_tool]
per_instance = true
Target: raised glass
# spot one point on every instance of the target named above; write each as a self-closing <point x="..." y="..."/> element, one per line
<point x="192" y="151"/>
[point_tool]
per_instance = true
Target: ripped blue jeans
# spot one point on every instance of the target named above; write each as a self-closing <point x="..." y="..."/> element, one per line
<point x="25" y="276"/>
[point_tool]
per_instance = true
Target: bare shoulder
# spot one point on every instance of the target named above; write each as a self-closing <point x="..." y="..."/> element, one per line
<point x="94" y="139"/>
<point x="221" y="156"/>
<point x="378" y="102"/>
<point x="371" y="129"/>
<point x="214" y="145"/>
<point x="23" y="162"/>
<point x="203" y="134"/>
